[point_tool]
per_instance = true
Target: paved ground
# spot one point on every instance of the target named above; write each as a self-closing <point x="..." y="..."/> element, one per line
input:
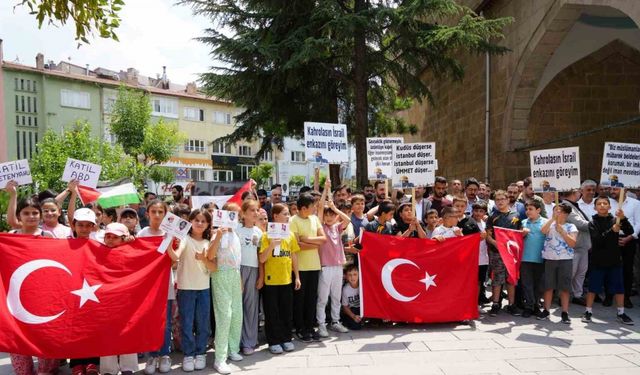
<point x="500" y="345"/>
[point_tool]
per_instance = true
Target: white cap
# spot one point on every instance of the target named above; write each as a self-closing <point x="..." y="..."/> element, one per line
<point x="118" y="229"/>
<point x="84" y="214"/>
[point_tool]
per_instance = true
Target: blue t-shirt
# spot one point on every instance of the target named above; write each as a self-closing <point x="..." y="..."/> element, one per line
<point x="534" y="241"/>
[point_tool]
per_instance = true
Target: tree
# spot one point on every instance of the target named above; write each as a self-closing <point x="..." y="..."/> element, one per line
<point x="160" y="175"/>
<point x="297" y="180"/>
<point x="353" y="61"/>
<point x="87" y="15"/>
<point x="76" y="142"/>
<point x="261" y="173"/>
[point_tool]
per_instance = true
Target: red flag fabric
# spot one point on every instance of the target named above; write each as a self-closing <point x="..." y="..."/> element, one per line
<point x="511" y="246"/>
<point x="77" y="298"/>
<point x="88" y="194"/>
<point x="419" y="280"/>
<point x="237" y="197"/>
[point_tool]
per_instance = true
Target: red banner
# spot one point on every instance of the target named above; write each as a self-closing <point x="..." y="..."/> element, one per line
<point x="419" y="280"/>
<point x="511" y="246"/>
<point x="77" y="298"/>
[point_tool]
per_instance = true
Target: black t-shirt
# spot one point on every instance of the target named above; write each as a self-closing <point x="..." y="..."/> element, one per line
<point x="402" y="227"/>
<point x="605" y="251"/>
<point x="509" y="220"/>
<point x="468" y="226"/>
<point x="375" y="227"/>
<point x="438" y="205"/>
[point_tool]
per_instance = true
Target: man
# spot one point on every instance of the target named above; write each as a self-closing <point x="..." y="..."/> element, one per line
<point x="588" y="190"/>
<point x="628" y="241"/>
<point x="422" y="205"/>
<point x="380" y="194"/>
<point x="276" y="194"/>
<point x="484" y="193"/>
<point x="520" y="185"/>
<point x="368" y="189"/>
<point x="581" y="250"/>
<point x="437" y="199"/>
<point x="456" y="190"/>
<point x="177" y="192"/>
<point x="528" y="194"/>
<point x="514" y="205"/>
<point x="341" y="194"/>
<point x="603" y="189"/>
<point x="471" y="187"/>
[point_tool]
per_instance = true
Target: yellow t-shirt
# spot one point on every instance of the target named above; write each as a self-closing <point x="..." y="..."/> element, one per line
<point x="277" y="269"/>
<point x="308" y="260"/>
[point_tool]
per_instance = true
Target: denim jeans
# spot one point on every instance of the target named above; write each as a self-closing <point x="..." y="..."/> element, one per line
<point x="165" y="349"/>
<point x="194" y="311"/>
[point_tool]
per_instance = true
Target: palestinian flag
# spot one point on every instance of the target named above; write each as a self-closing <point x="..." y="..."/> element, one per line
<point x="112" y="196"/>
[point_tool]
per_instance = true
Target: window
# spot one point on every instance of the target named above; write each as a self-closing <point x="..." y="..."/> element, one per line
<point x="244" y="150"/>
<point x="193" y="114"/>
<point x="164" y="107"/>
<point x="267" y="156"/>
<point x="245" y="170"/>
<point x="16" y="81"/>
<point x="35" y="106"/>
<point x="221" y="148"/>
<point x="222" y="118"/>
<point x="29" y="104"/>
<point x="109" y="102"/>
<point x="194" y="145"/>
<point x="75" y="99"/>
<point x="22" y="104"/>
<point x="28" y="85"/>
<point x="197" y="174"/>
<point x="17" y="103"/>
<point x="222" y="176"/>
<point x="297" y="155"/>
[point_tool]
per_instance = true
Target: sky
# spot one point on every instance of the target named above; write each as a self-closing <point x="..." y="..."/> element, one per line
<point x="152" y="33"/>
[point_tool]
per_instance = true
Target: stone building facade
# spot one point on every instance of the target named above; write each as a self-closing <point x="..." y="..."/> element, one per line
<point x="571" y="78"/>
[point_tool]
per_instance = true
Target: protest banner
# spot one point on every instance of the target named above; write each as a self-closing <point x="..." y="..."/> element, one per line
<point x="225" y="219"/>
<point x="197" y="201"/>
<point x="414" y="164"/>
<point x="325" y="143"/>
<point x="283" y="176"/>
<point x="278" y="230"/>
<point x="17" y="170"/>
<point x="380" y="157"/>
<point x="86" y="173"/>
<point x="556" y="169"/>
<point x="621" y="164"/>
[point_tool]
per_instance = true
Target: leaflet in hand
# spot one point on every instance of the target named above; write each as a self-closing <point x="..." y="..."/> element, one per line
<point x="175" y="226"/>
<point x="225" y="219"/>
<point x="278" y="230"/>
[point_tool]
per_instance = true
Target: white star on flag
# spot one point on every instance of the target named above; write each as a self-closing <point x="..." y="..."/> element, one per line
<point x="87" y="292"/>
<point x="428" y="280"/>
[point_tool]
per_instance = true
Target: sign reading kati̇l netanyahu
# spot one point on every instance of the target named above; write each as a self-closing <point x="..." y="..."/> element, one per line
<point x="325" y="143"/>
<point x="556" y="169"/>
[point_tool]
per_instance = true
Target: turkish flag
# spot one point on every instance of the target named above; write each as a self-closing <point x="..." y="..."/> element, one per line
<point x="237" y="197"/>
<point x="77" y="298"/>
<point x="510" y="244"/>
<point x="419" y="280"/>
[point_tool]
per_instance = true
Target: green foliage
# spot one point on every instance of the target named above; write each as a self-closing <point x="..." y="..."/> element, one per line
<point x="101" y="16"/>
<point x="297" y="180"/>
<point x="159" y="174"/>
<point x="76" y="142"/>
<point x="130" y="117"/>
<point x="160" y="141"/>
<point x="261" y="173"/>
<point x="4" y="203"/>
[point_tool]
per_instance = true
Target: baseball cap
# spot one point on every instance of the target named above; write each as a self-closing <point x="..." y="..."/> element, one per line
<point x="118" y="229"/>
<point x="84" y="214"/>
<point x="128" y="210"/>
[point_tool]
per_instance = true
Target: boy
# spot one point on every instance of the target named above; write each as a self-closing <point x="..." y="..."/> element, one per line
<point x="606" y="258"/>
<point x="465" y="223"/>
<point x="532" y="266"/>
<point x="407" y="225"/>
<point x="448" y="229"/>
<point x="309" y="234"/>
<point x="351" y="299"/>
<point x="358" y="218"/>
<point x="557" y="253"/>
<point x="382" y="224"/>
<point x="431" y="219"/>
<point x="478" y="213"/>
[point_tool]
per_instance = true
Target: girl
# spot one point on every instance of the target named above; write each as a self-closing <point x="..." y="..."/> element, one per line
<point x="129" y="217"/>
<point x="279" y="258"/>
<point x="250" y="236"/>
<point x="51" y="214"/>
<point x="193" y="290"/>
<point x="29" y="214"/>
<point x="227" y="295"/>
<point x="263" y="219"/>
<point x="160" y="360"/>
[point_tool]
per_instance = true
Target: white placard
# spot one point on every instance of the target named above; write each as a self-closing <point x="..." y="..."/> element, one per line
<point x="556" y="169"/>
<point x="621" y="164"/>
<point x="414" y="164"/>
<point x="197" y="201"/>
<point x="325" y="143"/>
<point x="283" y="177"/>
<point x="17" y="170"/>
<point x="380" y="157"/>
<point x="278" y="230"/>
<point x="86" y="173"/>
<point x="225" y="219"/>
<point x="175" y="226"/>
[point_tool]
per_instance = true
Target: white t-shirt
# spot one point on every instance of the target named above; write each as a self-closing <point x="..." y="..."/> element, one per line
<point x="249" y="243"/>
<point x="589" y="209"/>
<point x="483" y="257"/>
<point x="192" y="273"/>
<point x="350" y="296"/>
<point x="443" y="231"/>
<point x="146" y="232"/>
<point x="555" y="247"/>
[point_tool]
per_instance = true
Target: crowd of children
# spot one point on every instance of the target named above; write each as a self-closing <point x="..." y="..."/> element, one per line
<point x="222" y="278"/>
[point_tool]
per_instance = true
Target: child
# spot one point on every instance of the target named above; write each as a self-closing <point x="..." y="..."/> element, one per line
<point x="448" y="229"/>
<point x="532" y="267"/>
<point x="293" y="208"/>
<point x="160" y="360"/>
<point x="351" y="299"/>
<point x="431" y="218"/>
<point x="332" y="259"/>
<point x="129" y="217"/>
<point x="28" y="215"/>
<point x="250" y="236"/>
<point x="115" y="235"/>
<point x="407" y="225"/>
<point x="606" y="258"/>
<point x="263" y="220"/>
<point x="193" y="290"/>
<point x="279" y="258"/>
<point x="226" y="293"/>
<point x="358" y="218"/>
<point x="382" y="223"/>
<point x="558" y="259"/>
<point x="51" y="212"/>
<point x="477" y="219"/>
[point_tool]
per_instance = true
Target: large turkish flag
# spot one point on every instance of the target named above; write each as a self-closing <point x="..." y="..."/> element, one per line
<point x="510" y="244"/>
<point x="77" y="298"/>
<point x="419" y="280"/>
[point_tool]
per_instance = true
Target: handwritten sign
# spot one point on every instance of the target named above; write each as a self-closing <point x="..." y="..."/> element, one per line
<point x="225" y="219"/>
<point x="621" y="164"/>
<point x="86" y="173"/>
<point x="278" y="230"/>
<point x="325" y="143"/>
<point x="556" y="169"/>
<point x="414" y="164"/>
<point x="17" y="170"/>
<point x="380" y="157"/>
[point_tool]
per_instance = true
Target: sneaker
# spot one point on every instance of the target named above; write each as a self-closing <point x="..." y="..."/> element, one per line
<point x="165" y="364"/>
<point x="565" y="318"/>
<point x="527" y="313"/>
<point x="624" y="319"/>
<point x="236" y="357"/>
<point x="248" y="351"/>
<point x="288" y="346"/>
<point x="222" y="367"/>
<point x="495" y="309"/>
<point x="338" y="327"/>
<point x="200" y="362"/>
<point x="275" y="349"/>
<point x="187" y="364"/>
<point x="315" y="336"/>
<point x="322" y="330"/>
<point x="586" y="317"/>
<point x="77" y="370"/>
<point x="304" y="337"/>
<point x="91" y="369"/>
<point x="544" y="315"/>
<point x="514" y="310"/>
<point x="151" y="365"/>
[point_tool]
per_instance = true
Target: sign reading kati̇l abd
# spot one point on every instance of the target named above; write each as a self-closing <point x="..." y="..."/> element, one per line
<point x="325" y="143"/>
<point x="556" y="169"/>
<point x="86" y="173"/>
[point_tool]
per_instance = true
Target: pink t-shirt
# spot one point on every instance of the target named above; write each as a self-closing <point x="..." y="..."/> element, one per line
<point x="332" y="251"/>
